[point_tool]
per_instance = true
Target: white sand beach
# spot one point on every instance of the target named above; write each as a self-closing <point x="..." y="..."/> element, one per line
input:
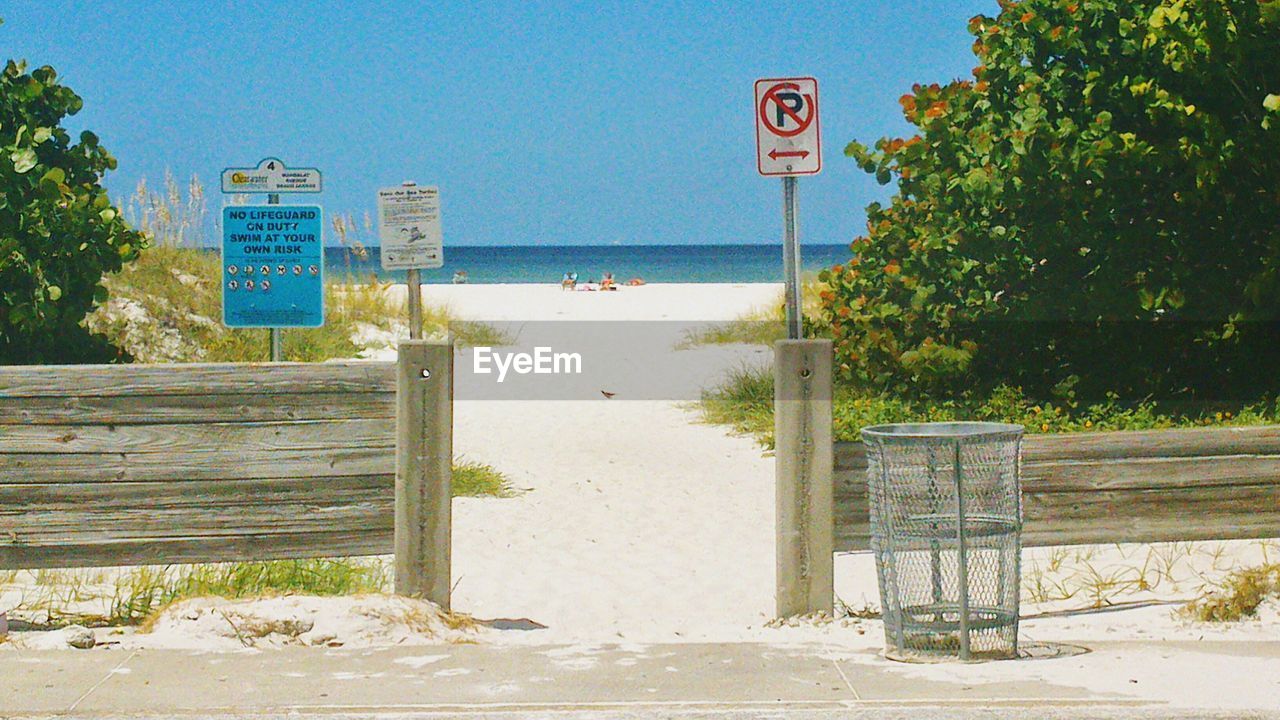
<point x="636" y="523"/>
<point x="707" y="302"/>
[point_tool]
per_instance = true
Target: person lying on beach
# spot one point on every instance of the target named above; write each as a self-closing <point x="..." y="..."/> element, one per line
<point x="635" y="282"/>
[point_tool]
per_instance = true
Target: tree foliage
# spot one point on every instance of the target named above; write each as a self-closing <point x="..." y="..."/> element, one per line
<point x="59" y="232"/>
<point x="1099" y="208"/>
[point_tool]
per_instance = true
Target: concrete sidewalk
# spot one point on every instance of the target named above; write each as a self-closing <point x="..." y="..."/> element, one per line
<point x="687" y="680"/>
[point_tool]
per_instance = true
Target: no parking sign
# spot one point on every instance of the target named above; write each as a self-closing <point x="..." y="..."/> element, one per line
<point x="788" y="141"/>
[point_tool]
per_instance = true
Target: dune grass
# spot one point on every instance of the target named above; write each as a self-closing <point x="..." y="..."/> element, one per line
<point x="166" y="307"/>
<point x="1239" y="596"/>
<point x="113" y="597"/>
<point x="744" y="401"/>
<point x="761" y="326"/>
<point x="474" y="479"/>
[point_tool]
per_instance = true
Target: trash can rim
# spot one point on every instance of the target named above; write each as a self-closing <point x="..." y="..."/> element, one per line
<point x="941" y="430"/>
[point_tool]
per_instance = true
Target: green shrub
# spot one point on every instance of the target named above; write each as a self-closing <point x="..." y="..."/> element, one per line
<point x="744" y="401"/>
<point x="59" y="232"/>
<point x="1095" y="211"/>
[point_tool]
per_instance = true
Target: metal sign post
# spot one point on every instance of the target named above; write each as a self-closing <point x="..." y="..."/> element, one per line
<point x="277" y="341"/>
<point x="788" y="143"/>
<point x="791" y="257"/>
<point x="411" y="239"/>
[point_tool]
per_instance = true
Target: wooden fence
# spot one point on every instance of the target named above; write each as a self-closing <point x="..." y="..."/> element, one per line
<point x="146" y="464"/>
<point x="1119" y="487"/>
<point x="1084" y="488"/>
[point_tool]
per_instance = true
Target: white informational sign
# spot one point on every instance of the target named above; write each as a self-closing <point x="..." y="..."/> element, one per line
<point x="271" y="176"/>
<point x="788" y="141"/>
<point x="409" y="227"/>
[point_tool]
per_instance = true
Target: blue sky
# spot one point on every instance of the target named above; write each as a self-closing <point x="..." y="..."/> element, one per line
<point x="542" y="123"/>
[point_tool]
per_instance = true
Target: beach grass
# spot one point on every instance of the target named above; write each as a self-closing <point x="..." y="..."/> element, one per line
<point x="1239" y="595"/>
<point x="761" y="326"/>
<point x="475" y="479"/>
<point x="166" y="307"/>
<point x="128" y="596"/>
<point x="744" y="401"/>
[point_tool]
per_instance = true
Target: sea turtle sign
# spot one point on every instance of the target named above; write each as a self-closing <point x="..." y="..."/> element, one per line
<point x="788" y="141"/>
<point x="271" y="176"/>
<point x="409" y="227"/>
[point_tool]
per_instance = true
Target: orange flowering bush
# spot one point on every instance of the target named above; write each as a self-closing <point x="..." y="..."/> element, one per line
<point x="1097" y="210"/>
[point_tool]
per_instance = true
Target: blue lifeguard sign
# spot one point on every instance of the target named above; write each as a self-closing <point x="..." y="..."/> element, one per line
<point x="272" y="266"/>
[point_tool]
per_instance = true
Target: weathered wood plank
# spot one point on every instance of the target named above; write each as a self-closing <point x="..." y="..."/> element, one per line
<point x="1153" y="515"/>
<point x="18" y="502"/>
<point x="196" y="379"/>
<point x="1119" y="517"/>
<point x="357" y="510"/>
<point x="169" y="409"/>
<point x="97" y="513"/>
<point x="195" y="463"/>
<point x="1097" y="446"/>
<point x="1150" y="486"/>
<point x="1169" y="474"/>
<point x="212" y="464"/>
<point x="1249" y="508"/>
<point x="1141" y="473"/>
<point x="193" y="437"/>
<point x="262" y="546"/>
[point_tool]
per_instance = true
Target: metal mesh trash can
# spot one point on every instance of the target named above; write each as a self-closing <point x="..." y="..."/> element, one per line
<point x="946" y="522"/>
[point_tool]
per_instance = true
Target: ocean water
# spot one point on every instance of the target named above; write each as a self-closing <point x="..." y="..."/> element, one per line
<point x="546" y="264"/>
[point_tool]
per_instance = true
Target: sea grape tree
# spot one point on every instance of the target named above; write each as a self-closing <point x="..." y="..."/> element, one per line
<point x="1098" y="208"/>
<point x="59" y="232"/>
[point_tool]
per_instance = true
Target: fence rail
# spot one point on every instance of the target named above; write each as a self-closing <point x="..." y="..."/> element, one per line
<point x="157" y="464"/>
<point x="1119" y="487"/>
<point x="1080" y="488"/>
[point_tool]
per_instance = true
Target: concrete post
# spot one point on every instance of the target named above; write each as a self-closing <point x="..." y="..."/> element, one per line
<point x="804" y="459"/>
<point x="424" y="469"/>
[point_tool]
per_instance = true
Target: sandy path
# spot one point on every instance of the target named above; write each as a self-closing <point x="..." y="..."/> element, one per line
<point x="637" y="525"/>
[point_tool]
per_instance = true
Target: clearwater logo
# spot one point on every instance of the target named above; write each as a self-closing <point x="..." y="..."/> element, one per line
<point x="239" y="178"/>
